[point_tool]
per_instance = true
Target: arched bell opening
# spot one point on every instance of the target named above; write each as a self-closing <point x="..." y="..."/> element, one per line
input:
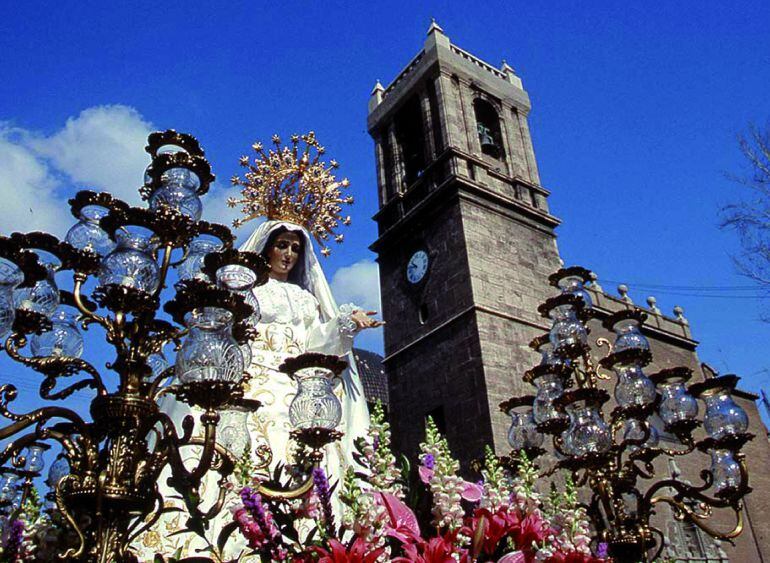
<point x="488" y="129"/>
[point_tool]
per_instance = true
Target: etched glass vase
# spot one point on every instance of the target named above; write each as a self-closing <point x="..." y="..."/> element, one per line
<point x="549" y="388"/>
<point x="523" y="432"/>
<point x="676" y="404"/>
<point x="86" y="234"/>
<point x="177" y="191"/>
<point x="723" y="416"/>
<point x="64" y="338"/>
<point x="209" y="352"/>
<point x="10" y="277"/>
<point x="566" y="330"/>
<point x="190" y="268"/>
<point x="41" y="298"/>
<point x="587" y="432"/>
<point x="131" y="264"/>
<point x="315" y="405"/>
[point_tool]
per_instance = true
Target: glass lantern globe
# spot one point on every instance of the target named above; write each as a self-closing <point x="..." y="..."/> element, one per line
<point x="315" y="405"/>
<point x="634" y="429"/>
<point x="523" y="433"/>
<point x="677" y="404"/>
<point x="8" y="486"/>
<point x="566" y="329"/>
<point x="158" y="363"/>
<point x="17" y="500"/>
<point x="628" y="336"/>
<point x="190" y="268"/>
<point x="549" y="388"/>
<point x="723" y="416"/>
<point x="181" y="177"/>
<point x="43" y="297"/>
<point x="34" y="459"/>
<point x="10" y="277"/>
<point x="234" y="435"/>
<point x="64" y="338"/>
<point x="177" y="197"/>
<point x="209" y="352"/>
<point x="574" y="285"/>
<point x="633" y="386"/>
<point x="725" y="470"/>
<point x="587" y="432"/>
<point x="59" y="468"/>
<point x="241" y="280"/>
<point x="547" y="357"/>
<point x="131" y="264"/>
<point x="86" y="234"/>
<point x="169" y="149"/>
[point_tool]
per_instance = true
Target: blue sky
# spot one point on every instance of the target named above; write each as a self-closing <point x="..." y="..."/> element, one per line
<point x="635" y="112"/>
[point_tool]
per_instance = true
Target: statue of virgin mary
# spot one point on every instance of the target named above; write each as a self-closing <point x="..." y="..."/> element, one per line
<point x="298" y="314"/>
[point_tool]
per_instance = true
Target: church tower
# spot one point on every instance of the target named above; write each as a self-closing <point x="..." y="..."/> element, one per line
<point x="465" y="244"/>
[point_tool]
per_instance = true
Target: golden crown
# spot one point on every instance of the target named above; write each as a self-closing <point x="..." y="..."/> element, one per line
<point x="293" y="184"/>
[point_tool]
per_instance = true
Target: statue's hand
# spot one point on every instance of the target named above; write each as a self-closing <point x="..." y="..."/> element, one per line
<point x="363" y="319"/>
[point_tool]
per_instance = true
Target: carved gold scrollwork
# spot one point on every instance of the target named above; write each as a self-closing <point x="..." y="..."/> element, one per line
<point x="64" y="483"/>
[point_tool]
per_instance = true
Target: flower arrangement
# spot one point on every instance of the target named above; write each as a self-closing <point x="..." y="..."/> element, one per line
<point x="24" y="531"/>
<point x="431" y="515"/>
<point x="389" y="512"/>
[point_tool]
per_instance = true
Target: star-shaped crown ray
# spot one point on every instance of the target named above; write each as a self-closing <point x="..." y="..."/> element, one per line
<point x="293" y="184"/>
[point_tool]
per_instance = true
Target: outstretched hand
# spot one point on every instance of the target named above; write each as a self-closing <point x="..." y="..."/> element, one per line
<point x="363" y="319"/>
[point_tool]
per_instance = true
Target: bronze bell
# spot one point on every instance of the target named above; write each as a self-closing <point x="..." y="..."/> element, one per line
<point x="488" y="144"/>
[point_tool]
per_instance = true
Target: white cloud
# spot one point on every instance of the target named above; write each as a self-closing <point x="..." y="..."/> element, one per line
<point x="102" y="148"/>
<point x="27" y="189"/>
<point x="358" y="283"/>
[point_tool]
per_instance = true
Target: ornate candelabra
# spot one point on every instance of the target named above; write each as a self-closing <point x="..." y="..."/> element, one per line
<point x="105" y="479"/>
<point x="614" y="456"/>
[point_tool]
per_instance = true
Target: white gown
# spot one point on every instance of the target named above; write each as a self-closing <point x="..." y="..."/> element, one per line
<point x="290" y="325"/>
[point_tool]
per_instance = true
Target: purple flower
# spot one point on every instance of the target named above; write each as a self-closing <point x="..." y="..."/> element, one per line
<point x="322" y="490"/>
<point x="601" y="550"/>
<point x="429" y="461"/>
<point x="252" y="502"/>
<point x="15" y="537"/>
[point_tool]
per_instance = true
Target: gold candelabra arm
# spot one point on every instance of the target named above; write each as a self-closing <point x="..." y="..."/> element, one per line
<point x="288" y="493"/>
<point x="164" y="268"/>
<point x="79" y="279"/>
<point x="8" y="393"/>
<point x="141" y="525"/>
<point x="313" y="440"/>
<point x="61" y="504"/>
<point x="168" y="450"/>
<point x="155" y="390"/>
<point x="685" y="492"/>
<point x="265" y="455"/>
<point x="210" y="418"/>
<point x="53" y="367"/>
<point x="682" y="512"/>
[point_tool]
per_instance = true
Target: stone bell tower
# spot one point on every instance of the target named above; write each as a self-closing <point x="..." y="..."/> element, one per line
<point x="465" y="243"/>
<point x="465" y="246"/>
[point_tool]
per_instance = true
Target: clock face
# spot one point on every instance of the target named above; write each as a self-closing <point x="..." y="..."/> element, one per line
<point x="417" y="266"/>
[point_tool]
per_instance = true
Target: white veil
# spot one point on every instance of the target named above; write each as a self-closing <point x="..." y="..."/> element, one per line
<point x="355" y="413"/>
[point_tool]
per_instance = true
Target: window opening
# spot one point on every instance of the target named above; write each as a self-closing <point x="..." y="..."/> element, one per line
<point x="488" y="128"/>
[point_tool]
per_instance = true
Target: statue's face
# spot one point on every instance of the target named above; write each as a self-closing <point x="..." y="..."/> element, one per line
<point x="284" y="254"/>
